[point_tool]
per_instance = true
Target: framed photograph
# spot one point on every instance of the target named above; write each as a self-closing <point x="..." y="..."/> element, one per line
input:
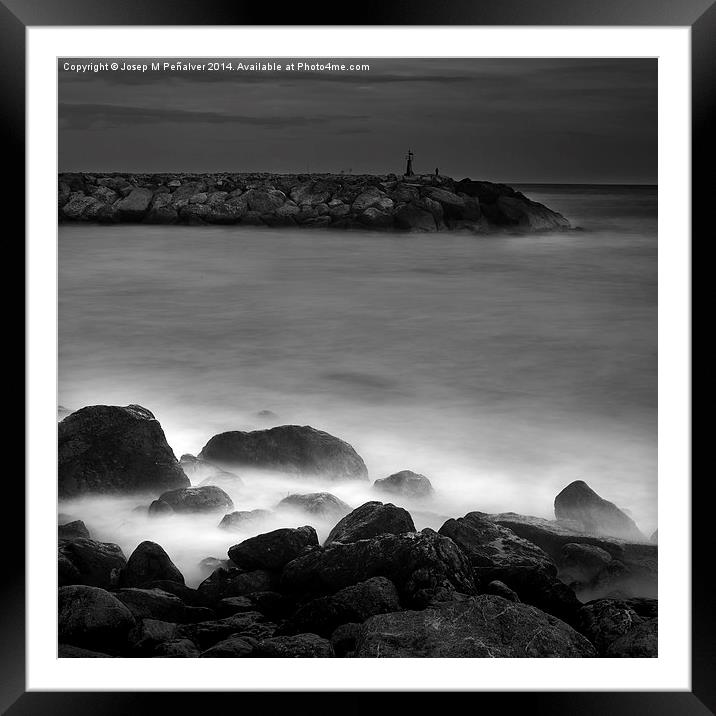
<point x="359" y="342"/>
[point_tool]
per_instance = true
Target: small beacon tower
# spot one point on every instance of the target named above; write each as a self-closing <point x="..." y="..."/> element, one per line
<point x="409" y="167"/>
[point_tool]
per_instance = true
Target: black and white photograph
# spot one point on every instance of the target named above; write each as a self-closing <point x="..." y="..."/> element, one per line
<point x="357" y="357"/>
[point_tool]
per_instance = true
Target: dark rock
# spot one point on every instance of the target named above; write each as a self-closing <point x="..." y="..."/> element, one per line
<point x="374" y="218"/>
<point x="345" y="638"/>
<point x="411" y="217"/>
<point x="110" y="449"/>
<point x="158" y="604"/>
<point x="642" y="642"/>
<point x="478" y="627"/>
<point x="177" y="649"/>
<point x="186" y="594"/>
<point x="320" y="504"/>
<point x="645" y="607"/>
<point x="273" y="604"/>
<point x="149" y="562"/>
<point x="92" y="618"/>
<point x="76" y="206"/>
<point x="299" y="450"/>
<point x="204" y="473"/>
<point x="300" y="646"/>
<point x="423" y="566"/>
<point x="580" y="503"/>
<point x="206" y="634"/>
<point x="635" y="575"/>
<point x="235" y="583"/>
<point x="243" y="519"/>
<point x="150" y="633"/>
<point x="233" y="605"/>
<point x="370" y="520"/>
<point x="497" y="553"/>
<point x="603" y="621"/>
<point x="135" y="205"/>
<point x="351" y="604"/>
<point x="406" y="483"/>
<point x="85" y="561"/>
<point x="500" y="589"/>
<point x="530" y="215"/>
<point x="582" y="562"/>
<point x="273" y="550"/>
<point x="235" y="647"/>
<point x="67" y="651"/>
<point x="72" y="530"/>
<point x="208" y="498"/>
<point x="371" y="198"/>
<point x="158" y="508"/>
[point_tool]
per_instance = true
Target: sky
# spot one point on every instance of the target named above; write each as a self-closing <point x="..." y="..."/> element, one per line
<point x="508" y="120"/>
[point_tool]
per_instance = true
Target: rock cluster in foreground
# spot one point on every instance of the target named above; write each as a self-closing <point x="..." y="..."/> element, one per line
<point x="483" y="585"/>
<point x="375" y="202"/>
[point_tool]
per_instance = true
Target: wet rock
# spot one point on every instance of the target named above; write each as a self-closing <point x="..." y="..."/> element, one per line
<point x="603" y="621"/>
<point x="177" y="649"/>
<point x="92" y="618"/>
<point x="477" y="627"/>
<point x="500" y="589"/>
<point x="149" y="562"/>
<point x="497" y="553"/>
<point x="110" y="449"/>
<point x="320" y="504"/>
<point x="158" y="604"/>
<point x="406" y="483"/>
<point x="345" y="638"/>
<point x="158" y="508"/>
<point x="582" y="562"/>
<point x="530" y="215"/>
<point x="135" y="205"/>
<point x="372" y="198"/>
<point x="235" y="583"/>
<point x="235" y="647"/>
<point x="595" y="515"/>
<point x="300" y="646"/>
<point x="370" y="520"/>
<point x="244" y="519"/>
<point x="150" y="633"/>
<point x="234" y="605"/>
<point x="247" y="624"/>
<point x="207" y="498"/>
<point x="76" y="206"/>
<point x="645" y="607"/>
<point x="86" y="561"/>
<point x="186" y="594"/>
<point x="67" y="651"/>
<point x="642" y="642"/>
<point x="73" y="530"/>
<point x="273" y="550"/>
<point x="411" y="217"/>
<point x="423" y="566"/>
<point x="293" y="449"/>
<point x="351" y="604"/>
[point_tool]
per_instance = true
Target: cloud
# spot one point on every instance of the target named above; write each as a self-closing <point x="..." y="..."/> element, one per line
<point x="92" y="116"/>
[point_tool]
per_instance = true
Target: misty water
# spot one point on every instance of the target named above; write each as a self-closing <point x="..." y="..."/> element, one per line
<point x="501" y="367"/>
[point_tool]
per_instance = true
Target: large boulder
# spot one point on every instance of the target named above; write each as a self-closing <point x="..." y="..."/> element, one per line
<point x="73" y="530"/>
<point x="149" y="562"/>
<point x="111" y="449"/>
<point x="530" y="215"/>
<point x="92" y="618"/>
<point x="207" y="498"/>
<point x="203" y="473"/>
<point x="406" y="483"/>
<point x="372" y="197"/>
<point x="424" y="566"/>
<point x="581" y="563"/>
<point x="208" y="633"/>
<point x="477" y="627"/>
<point x="294" y="449"/>
<point x="370" y="520"/>
<point x="273" y="550"/>
<point x="86" y="561"/>
<point x="223" y="583"/>
<point x="319" y="504"/>
<point x="411" y="217"/>
<point x="135" y="205"/>
<point x="642" y="642"/>
<point x="244" y="519"/>
<point x="580" y="503"/>
<point x="158" y="604"/>
<point x="497" y="553"/>
<point x="351" y="604"/>
<point x="603" y="621"/>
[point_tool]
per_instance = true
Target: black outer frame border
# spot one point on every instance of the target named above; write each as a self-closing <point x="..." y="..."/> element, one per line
<point x="700" y="15"/>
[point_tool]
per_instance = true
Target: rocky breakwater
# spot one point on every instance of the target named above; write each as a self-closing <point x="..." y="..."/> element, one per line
<point x="374" y="202"/>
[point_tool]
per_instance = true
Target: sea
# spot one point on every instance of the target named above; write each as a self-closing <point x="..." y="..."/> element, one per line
<point x="501" y="367"/>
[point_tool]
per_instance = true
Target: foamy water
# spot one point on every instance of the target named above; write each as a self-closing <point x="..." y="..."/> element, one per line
<point x="502" y="368"/>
